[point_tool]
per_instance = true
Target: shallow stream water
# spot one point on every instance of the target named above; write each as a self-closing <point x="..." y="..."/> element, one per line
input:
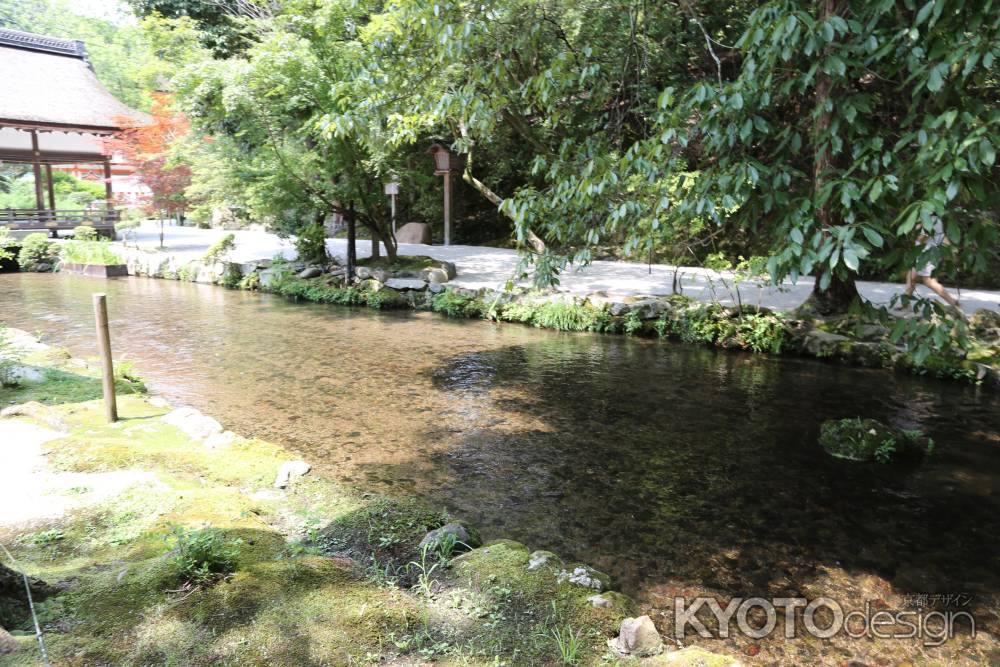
<point x="666" y="465"/>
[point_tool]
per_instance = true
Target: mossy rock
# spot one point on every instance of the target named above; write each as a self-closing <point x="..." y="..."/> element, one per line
<point x="692" y="656"/>
<point x="387" y="530"/>
<point x="501" y="573"/>
<point x="870" y="440"/>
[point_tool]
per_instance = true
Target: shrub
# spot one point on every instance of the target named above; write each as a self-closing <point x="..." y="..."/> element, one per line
<point x="311" y="244"/>
<point x="232" y="276"/>
<point x="89" y="252"/>
<point x="200" y="556"/>
<point x="36" y="249"/>
<point x="8" y="359"/>
<point x="6" y="240"/>
<point x="84" y="233"/>
<point x="218" y="250"/>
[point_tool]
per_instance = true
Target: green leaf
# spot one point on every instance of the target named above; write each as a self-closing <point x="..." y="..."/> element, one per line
<point x="873" y="237"/>
<point x="796" y="235"/>
<point x="934" y="81"/>
<point x="736" y="101"/>
<point x="875" y="192"/>
<point x="924" y="12"/>
<point x="851" y="259"/>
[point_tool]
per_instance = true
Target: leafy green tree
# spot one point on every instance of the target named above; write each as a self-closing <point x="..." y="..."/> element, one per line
<point x="847" y="129"/>
<point x="268" y="115"/>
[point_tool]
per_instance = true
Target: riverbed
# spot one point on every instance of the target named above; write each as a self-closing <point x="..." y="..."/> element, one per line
<point x="660" y="463"/>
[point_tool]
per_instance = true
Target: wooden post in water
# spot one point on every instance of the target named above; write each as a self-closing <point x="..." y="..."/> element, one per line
<point x="107" y="367"/>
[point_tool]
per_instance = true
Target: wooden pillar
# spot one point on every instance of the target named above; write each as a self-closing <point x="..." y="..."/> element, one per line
<point x="37" y="166"/>
<point x="108" y="194"/>
<point x="52" y="191"/>
<point x="447" y="208"/>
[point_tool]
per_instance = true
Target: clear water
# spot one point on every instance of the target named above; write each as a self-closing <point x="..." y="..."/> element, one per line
<point x="656" y="462"/>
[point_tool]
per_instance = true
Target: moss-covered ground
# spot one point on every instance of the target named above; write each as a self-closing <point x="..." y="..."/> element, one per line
<point x="321" y="574"/>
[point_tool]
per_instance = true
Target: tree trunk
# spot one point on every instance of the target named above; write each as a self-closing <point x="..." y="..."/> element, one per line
<point x="837" y="298"/>
<point x="352" y="241"/>
<point x="841" y="292"/>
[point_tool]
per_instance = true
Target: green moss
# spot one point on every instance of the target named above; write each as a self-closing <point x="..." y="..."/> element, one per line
<point x="527" y="603"/>
<point x="860" y="439"/>
<point x="412" y="263"/>
<point x="60" y="386"/>
<point x="384" y="531"/>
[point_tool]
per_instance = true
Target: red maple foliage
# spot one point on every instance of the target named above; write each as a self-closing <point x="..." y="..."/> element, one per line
<point x="147" y="148"/>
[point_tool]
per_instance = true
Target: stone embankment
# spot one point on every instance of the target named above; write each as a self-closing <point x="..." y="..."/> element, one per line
<point x="422" y="283"/>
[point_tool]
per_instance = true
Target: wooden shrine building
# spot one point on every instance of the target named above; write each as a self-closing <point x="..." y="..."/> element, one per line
<point x="54" y="111"/>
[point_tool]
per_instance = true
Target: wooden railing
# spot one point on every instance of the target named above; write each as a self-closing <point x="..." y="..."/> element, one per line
<point x="22" y="218"/>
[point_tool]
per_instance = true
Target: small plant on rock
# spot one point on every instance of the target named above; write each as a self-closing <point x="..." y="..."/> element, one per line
<point x="568" y="643"/>
<point x="425" y="571"/>
<point x="200" y="556"/>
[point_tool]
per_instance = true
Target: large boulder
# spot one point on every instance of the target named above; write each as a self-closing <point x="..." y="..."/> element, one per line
<point x="457" y="531"/>
<point x="414" y="232"/>
<point x="821" y="343"/>
<point x="13" y="600"/>
<point x="310" y="272"/>
<point x="986" y="324"/>
<point x="405" y="283"/>
<point x="637" y="637"/>
<point x="860" y="439"/>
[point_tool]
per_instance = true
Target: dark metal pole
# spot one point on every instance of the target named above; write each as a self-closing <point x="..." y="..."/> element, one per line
<point x="352" y="238"/>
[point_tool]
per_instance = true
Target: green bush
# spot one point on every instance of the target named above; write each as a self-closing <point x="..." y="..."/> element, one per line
<point x="6" y="241"/>
<point x="89" y="252"/>
<point x="36" y="249"/>
<point x="199" y="556"/>
<point x="8" y="359"/>
<point x="218" y="250"/>
<point x="311" y="244"/>
<point x="84" y="233"/>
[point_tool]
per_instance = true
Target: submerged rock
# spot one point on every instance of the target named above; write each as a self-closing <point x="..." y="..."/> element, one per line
<point x="870" y="440"/>
<point x="289" y="471"/>
<point x="637" y="637"/>
<point x="194" y="424"/>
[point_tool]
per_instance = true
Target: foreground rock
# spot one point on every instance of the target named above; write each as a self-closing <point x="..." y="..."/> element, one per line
<point x="454" y="531"/>
<point x="637" y="637"/>
<point x="870" y="440"/>
<point x="13" y="600"/>
<point x="289" y="471"/>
